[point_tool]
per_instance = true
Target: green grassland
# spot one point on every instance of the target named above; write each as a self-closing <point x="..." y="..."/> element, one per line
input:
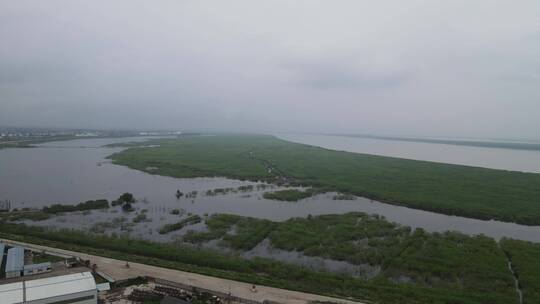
<point x="449" y="189"/>
<point x="38" y="258"/>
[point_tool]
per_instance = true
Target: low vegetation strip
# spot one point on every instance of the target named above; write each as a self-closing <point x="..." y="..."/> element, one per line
<point x="177" y="226"/>
<point x="88" y="205"/>
<point x="444" y="188"/>
<point x="32" y="215"/>
<point x="48" y="211"/>
<point x="273" y="273"/>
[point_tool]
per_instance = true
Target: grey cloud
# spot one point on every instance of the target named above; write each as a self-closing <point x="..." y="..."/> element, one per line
<point x="417" y="67"/>
<point x="50" y="72"/>
<point x="337" y="75"/>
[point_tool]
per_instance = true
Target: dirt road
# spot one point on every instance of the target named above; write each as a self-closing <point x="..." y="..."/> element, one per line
<point x="118" y="271"/>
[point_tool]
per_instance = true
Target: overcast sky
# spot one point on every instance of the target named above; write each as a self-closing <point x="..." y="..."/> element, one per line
<point x="429" y="68"/>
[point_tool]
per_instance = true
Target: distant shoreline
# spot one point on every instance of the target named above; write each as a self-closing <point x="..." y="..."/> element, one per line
<point x="457" y="142"/>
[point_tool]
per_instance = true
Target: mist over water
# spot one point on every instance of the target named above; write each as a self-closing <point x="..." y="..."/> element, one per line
<point x="494" y="158"/>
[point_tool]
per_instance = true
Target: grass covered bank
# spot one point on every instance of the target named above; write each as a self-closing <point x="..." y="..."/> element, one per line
<point x="449" y="189"/>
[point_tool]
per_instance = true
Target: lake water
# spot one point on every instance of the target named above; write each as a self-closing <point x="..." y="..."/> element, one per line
<point x="73" y="171"/>
<point x="494" y="158"/>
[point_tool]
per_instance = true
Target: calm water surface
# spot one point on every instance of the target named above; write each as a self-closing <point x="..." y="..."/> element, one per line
<point x="494" y="158"/>
<point x="73" y="171"/>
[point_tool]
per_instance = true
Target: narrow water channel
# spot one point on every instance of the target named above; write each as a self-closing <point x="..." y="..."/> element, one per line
<point x="516" y="278"/>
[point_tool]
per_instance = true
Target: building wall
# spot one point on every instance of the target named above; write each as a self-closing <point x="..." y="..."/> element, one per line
<point x="76" y="298"/>
<point x="36" y="270"/>
<point x="13" y="274"/>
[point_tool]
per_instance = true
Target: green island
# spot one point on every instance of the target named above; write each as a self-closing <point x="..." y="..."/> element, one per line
<point x="289" y="195"/>
<point x="47" y="211"/>
<point x="407" y="266"/>
<point x="450" y="189"/>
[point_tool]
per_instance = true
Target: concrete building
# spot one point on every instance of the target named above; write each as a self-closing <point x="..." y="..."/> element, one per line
<point x="2" y="249"/>
<point x="14" y="262"/>
<point x="5" y="206"/>
<point x="78" y="288"/>
<point x="36" y="268"/>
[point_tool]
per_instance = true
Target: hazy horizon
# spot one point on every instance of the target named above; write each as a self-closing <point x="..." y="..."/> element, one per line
<point x="464" y="69"/>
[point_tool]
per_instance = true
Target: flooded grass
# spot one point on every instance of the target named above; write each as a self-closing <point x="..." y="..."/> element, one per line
<point x="421" y="268"/>
<point x="194" y="219"/>
<point x="371" y="247"/>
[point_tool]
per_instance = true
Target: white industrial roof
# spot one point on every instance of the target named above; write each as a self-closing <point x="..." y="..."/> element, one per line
<point x="47" y="287"/>
<point x="57" y="286"/>
<point x="11" y="293"/>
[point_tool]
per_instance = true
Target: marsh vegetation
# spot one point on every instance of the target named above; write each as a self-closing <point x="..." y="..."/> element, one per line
<point x="193" y="219"/>
<point x="415" y="266"/>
